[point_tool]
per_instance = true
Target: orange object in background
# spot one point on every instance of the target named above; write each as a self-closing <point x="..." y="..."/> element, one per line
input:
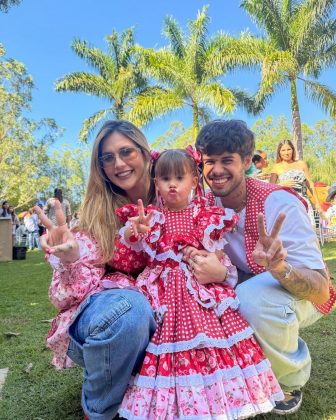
<point x="322" y="193"/>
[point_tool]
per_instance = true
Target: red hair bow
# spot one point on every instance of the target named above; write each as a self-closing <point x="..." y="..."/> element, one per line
<point x="155" y="154"/>
<point x="194" y="154"/>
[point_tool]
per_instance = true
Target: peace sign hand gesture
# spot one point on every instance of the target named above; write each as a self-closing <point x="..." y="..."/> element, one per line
<point x="140" y="224"/>
<point x="59" y="240"/>
<point x="269" y="251"/>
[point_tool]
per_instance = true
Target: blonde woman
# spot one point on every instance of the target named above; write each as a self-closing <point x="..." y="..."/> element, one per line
<point x="104" y="331"/>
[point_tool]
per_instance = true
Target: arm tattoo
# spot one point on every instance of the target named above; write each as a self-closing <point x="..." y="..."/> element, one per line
<point x="305" y="283"/>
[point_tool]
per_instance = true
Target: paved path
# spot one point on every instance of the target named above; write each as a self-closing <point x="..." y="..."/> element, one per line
<point x="3" y="374"/>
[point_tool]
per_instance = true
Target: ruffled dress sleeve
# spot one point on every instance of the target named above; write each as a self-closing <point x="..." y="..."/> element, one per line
<point x="70" y="285"/>
<point x="212" y="223"/>
<point x="72" y="282"/>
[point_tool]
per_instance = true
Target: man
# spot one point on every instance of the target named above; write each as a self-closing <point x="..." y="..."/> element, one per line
<point x="31" y="223"/>
<point x="260" y="162"/>
<point x="50" y="207"/>
<point x="281" y="274"/>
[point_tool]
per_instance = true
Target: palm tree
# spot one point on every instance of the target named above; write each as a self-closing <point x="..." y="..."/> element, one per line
<point x="299" y="43"/>
<point x="117" y="77"/>
<point x="186" y="74"/>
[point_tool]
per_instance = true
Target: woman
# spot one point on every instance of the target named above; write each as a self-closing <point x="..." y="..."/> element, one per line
<point x="293" y="173"/>
<point x="111" y="328"/>
<point x="15" y="221"/>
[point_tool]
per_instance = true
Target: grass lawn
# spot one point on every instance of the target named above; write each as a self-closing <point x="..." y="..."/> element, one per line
<point x="42" y="393"/>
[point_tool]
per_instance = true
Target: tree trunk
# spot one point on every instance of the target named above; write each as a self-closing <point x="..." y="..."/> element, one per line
<point x="296" y="120"/>
<point x="195" y="123"/>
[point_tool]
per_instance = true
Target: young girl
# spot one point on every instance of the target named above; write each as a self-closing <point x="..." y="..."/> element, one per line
<point x="202" y="362"/>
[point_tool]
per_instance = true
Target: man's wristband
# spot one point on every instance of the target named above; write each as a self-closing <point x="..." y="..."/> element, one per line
<point x="286" y="275"/>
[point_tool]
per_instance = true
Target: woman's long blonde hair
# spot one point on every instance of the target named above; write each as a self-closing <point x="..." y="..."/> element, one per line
<point x="102" y="198"/>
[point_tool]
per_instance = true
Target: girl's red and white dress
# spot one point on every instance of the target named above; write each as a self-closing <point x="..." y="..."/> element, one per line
<point x="203" y="361"/>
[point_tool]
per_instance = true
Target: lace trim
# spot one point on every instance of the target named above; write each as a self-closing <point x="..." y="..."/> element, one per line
<point x="210" y="244"/>
<point x="194" y="292"/>
<point x="249" y="410"/>
<point x="170" y="254"/>
<point x="198" y="379"/>
<point x="200" y="341"/>
<point x="229" y="302"/>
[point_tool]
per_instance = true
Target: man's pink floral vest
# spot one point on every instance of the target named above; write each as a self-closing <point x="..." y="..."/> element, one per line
<point x="257" y="192"/>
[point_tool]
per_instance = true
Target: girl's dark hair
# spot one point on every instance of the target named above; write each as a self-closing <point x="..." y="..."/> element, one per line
<point x="175" y="162"/>
<point x="282" y="143"/>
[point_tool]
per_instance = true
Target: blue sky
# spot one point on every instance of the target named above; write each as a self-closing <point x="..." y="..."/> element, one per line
<point x="39" y="33"/>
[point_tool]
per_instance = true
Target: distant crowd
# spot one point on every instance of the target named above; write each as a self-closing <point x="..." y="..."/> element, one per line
<point x="27" y="226"/>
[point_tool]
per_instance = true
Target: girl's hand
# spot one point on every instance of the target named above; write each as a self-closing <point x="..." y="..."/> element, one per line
<point x="58" y="240"/>
<point x="141" y="223"/>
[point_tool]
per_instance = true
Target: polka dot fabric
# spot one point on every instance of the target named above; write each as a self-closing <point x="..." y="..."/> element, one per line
<point x="202" y="362"/>
<point x="257" y="192"/>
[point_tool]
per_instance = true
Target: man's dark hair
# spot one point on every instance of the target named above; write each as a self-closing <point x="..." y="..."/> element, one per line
<point x="219" y="136"/>
<point x="256" y="158"/>
<point x="58" y="194"/>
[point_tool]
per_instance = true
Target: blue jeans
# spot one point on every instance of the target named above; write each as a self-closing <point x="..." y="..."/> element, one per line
<point x="108" y="338"/>
<point x="34" y="240"/>
<point x="276" y="317"/>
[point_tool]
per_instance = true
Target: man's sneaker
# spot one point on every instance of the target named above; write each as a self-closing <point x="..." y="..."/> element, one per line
<point x="290" y="404"/>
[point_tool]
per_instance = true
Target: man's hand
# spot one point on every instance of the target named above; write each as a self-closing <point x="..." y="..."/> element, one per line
<point x="58" y="240"/>
<point x="205" y="265"/>
<point x="269" y="251"/>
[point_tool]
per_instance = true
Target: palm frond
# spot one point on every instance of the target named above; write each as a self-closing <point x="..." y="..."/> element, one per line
<point x="152" y="104"/>
<point x="228" y="53"/>
<point x="306" y="16"/>
<point x="126" y="46"/>
<point x="220" y="99"/>
<point x="85" y="82"/>
<point x="197" y="43"/>
<point x="322" y="95"/>
<point x="175" y="36"/>
<point x="90" y="124"/>
<point x="267" y="15"/>
<point x="95" y="58"/>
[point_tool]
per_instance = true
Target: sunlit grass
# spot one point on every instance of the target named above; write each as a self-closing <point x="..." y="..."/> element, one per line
<point x="44" y="393"/>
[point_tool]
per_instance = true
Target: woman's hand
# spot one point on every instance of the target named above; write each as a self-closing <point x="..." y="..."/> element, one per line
<point x="205" y="265"/>
<point x="269" y="251"/>
<point x="58" y="240"/>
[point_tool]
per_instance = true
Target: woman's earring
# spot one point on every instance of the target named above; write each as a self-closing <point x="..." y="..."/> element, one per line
<point x="191" y="196"/>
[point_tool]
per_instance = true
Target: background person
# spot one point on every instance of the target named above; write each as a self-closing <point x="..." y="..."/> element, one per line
<point x="260" y="162"/>
<point x="330" y="214"/>
<point x="4" y="212"/>
<point x="15" y="221"/>
<point x="31" y="222"/>
<point x="289" y="172"/>
<point x="107" y="335"/>
<point x="50" y="206"/>
<point x="283" y="285"/>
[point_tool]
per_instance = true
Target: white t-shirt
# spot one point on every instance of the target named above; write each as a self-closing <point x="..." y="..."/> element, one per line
<point x="297" y="234"/>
